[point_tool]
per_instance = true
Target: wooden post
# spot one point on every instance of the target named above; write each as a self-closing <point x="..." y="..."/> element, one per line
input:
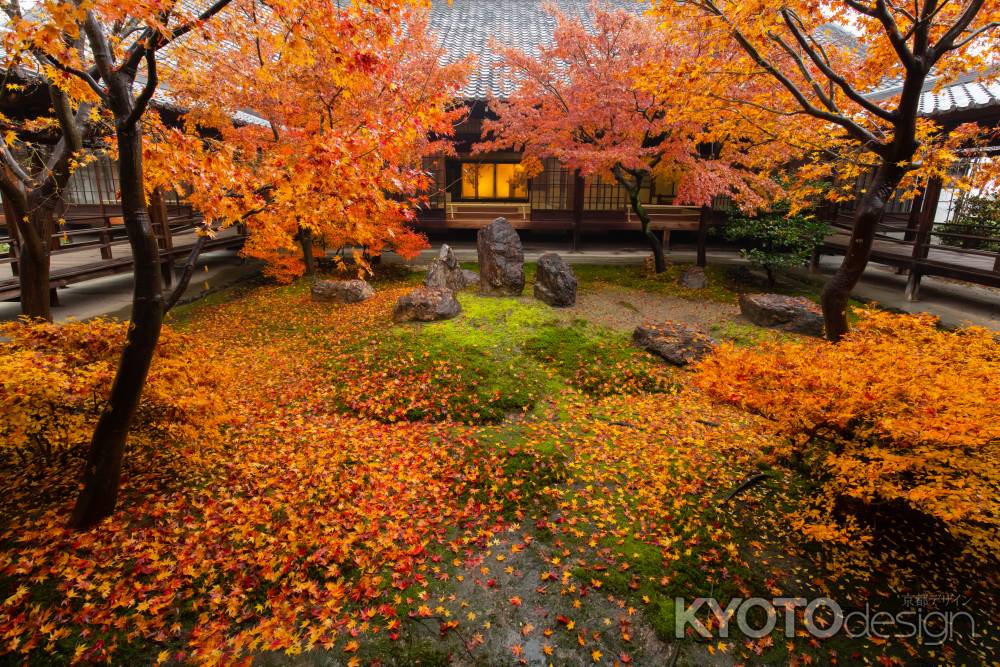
<point x="161" y="227"/>
<point x="106" y="238"/>
<point x="703" y="235"/>
<point x="920" y="244"/>
<point x="10" y="218"/>
<point x="578" y="186"/>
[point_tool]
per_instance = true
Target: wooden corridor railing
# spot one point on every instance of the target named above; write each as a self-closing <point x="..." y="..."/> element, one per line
<point x="914" y="242"/>
<point x="94" y="244"/>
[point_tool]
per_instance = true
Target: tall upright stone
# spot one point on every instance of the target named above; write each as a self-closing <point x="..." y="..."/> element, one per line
<point x="501" y="260"/>
<point x="555" y="283"/>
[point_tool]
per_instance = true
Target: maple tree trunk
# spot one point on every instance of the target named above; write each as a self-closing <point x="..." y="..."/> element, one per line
<point x="33" y="259"/>
<point x="305" y="240"/>
<point x="659" y="261"/>
<point x="102" y="473"/>
<point x="867" y="216"/>
<point x="632" y="186"/>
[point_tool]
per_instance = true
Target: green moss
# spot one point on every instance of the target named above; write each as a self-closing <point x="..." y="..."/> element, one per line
<point x="597" y="361"/>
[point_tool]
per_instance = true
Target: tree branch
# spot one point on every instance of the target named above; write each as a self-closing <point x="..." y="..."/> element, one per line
<point x="185" y="278"/>
<point x="895" y="37"/>
<point x="947" y="41"/>
<point x="792" y="22"/>
<point x="974" y="34"/>
<point x="855" y="130"/>
<point x="14" y="166"/>
<point x="80" y="74"/>
<point x="142" y="101"/>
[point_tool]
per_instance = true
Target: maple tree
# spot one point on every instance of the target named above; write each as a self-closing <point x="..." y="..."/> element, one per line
<point x="34" y="175"/>
<point x="766" y="79"/>
<point x="899" y="411"/>
<point x="579" y="101"/>
<point x="347" y="102"/>
<point x="99" y="50"/>
<point x="350" y="95"/>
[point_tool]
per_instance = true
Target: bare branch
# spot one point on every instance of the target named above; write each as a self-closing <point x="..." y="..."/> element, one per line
<point x="188" y="271"/>
<point x="14" y="166"/>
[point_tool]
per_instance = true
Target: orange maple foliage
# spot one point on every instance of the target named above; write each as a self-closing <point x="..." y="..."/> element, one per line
<point x="579" y="101"/>
<point x="54" y="380"/>
<point x="343" y="103"/>
<point x="899" y="411"/>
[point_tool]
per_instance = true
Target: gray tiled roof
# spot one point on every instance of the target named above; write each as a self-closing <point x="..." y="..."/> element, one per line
<point x="971" y="91"/>
<point x="466" y="27"/>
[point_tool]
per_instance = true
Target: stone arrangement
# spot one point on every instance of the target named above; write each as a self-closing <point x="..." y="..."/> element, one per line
<point x="694" y="278"/>
<point x="445" y="272"/>
<point x="425" y="304"/>
<point x="677" y="343"/>
<point x="555" y="283"/>
<point x="501" y="260"/>
<point x="795" y="314"/>
<point x="341" y="291"/>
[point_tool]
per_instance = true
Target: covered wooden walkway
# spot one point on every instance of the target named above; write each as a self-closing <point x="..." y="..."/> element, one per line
<point x="922" y="238"/>
<point x="93" y="243"/>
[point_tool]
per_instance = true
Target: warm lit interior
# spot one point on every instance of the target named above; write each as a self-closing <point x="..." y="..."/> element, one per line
<point x="487" y="180"/>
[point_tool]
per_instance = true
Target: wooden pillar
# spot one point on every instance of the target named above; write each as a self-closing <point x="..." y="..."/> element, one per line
<point x="703" y="220"/>
<point x="10" y="218"/>
<point x="578" y="186"/>
<point x="161" y="226"/>
<point x="931" y="194"/>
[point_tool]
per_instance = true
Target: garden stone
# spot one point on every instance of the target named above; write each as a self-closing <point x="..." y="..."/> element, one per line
<point x="796" y="314"/>
<point x="555" y="283"/>
<point x="694" y="278"/>
<point x="445" y="272"/>
<point x="680" y="344"/>
<point x="341" y="291"/>
<point x="426" y="304"/>
<point x="501" y="260"/>
<point x="471" y="277"/>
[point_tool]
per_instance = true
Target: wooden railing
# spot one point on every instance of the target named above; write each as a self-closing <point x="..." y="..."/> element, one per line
<point x="88" y="246"/>
<point x="913" y="243"/>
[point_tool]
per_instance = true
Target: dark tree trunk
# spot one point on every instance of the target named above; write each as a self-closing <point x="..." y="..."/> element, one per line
<point x="104" y="460"/>
<point x="34" y="236"/>
<point x="867" y="216"/>
<point x="632" y="182"/>
<point x="306" y="241"/>
<point x="33" y="263"/>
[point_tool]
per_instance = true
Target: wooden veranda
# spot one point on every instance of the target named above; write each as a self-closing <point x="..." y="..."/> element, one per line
<point x="925" y="236"/>
<point x="92" y="243"/>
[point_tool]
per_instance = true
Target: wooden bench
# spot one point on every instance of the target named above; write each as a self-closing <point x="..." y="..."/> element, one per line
<point x="454" y="209"/>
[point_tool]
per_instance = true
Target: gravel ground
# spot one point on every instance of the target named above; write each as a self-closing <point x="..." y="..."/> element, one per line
<point x="625" y="309"/>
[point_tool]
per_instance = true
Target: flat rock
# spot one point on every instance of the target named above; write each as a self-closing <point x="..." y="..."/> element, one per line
<point x="501" y="260"/>
<point x="694" y="278"/>
<point x="680" y="344"/>
<point x="796" y="314"/>
<point x="555" y="283"/>
<point x="341" y="291"/>
<point x="425" y="304"/>
<point x="445" y="271"/>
